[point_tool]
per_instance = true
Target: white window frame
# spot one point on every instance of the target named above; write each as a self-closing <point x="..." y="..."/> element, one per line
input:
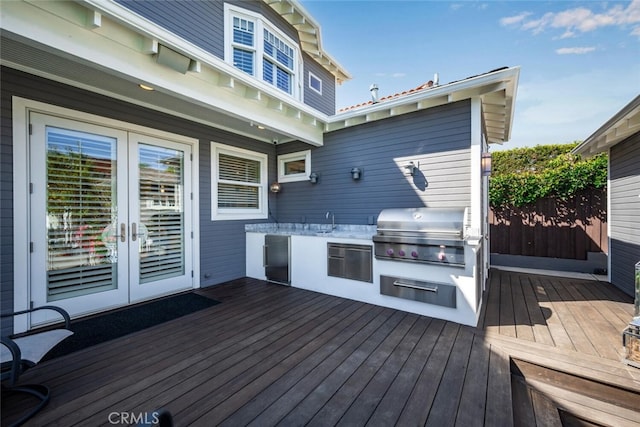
<point x="285" y="158"/>
<point x="260" y="23"/>
<point x="313" y="76"/>
<point x="226" y="214"/>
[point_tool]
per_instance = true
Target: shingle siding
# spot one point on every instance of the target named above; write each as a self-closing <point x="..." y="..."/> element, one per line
<point x="624" y="216"/>
<point x="438" y="138"/>
<point x="222" y="242"/>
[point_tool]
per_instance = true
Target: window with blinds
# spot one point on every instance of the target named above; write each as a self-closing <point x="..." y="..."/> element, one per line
<point x="239" y="180"/>
<point x="257" y="47"/>
<point x="243" y="44"/>
<point x="161" y="232"/>
<point x="81" y="205"/>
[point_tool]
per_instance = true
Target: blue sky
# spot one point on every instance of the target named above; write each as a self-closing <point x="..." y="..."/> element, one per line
<point x="580" y="61"/>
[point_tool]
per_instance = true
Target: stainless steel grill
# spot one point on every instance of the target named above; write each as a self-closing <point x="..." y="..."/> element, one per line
<point x="428" y="235"/>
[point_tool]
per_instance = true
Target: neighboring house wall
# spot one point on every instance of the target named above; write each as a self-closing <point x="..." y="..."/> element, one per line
<point x="222" y="242"/>
<point x="438" y="138"/>
<point x="624" y="214"/>
<point x="202" y="24"/>
<point x="6" y="210"/>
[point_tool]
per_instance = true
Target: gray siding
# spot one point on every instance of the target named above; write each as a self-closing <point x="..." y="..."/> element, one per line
<point x="327" y="101"/>
<point x="199" y="22"/>
<point x="222" y="242"/>
<point x="438" y="138"/>
<point x="6" y="211"/>
<point x="624" y="217"/>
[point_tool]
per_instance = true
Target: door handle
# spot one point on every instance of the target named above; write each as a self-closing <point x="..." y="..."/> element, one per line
<point x="134" y="233"/>
<point x="264" y="255"/>
<point x="431" y="288"/>
<point x="123" y="232"/>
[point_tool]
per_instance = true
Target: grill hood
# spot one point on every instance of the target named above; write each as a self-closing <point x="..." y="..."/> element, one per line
<point x="431" y="223"/>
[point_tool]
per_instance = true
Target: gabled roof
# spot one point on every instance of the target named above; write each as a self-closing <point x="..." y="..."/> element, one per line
<point x="309" y="34"/>
<point x="622" y="125"/>
<point x="496" y="90"/>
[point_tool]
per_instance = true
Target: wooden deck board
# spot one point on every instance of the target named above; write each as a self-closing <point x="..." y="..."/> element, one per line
<point x="273" y="355"/>
<point x="536" y="312"/>
<point x="474" y="391"/>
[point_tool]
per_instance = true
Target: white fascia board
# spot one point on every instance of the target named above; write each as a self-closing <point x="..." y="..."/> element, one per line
<point x="506" y="80"/>
<point x="623" y="124"/>
<point x="120" y="54"/>
<point x="510" y="74"/>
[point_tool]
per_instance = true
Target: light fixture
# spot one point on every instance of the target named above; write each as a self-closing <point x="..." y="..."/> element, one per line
<point x="172" y="59"/>
<point x="145" y="87"/>
<point x="411" y="168"/>
<point x="275" y="187"/>
<point x="356" y="173"/>
<point x="313" y="178"/>
<point x="485" y="163"/>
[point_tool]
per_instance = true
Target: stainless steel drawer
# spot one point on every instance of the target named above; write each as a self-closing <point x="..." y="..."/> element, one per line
<point x="443" y="294"/>
<point x="350" y="261"/>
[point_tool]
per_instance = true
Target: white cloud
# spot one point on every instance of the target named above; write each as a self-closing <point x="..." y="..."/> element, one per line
<point x="575" y="50"/>
<point x="513" y="20"/>
<point x="579" y="19"/>
<point x="391" y="75"/>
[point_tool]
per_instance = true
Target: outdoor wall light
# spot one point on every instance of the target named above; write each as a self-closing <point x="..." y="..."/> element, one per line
<point x="356" y="173"/>
<point x="485" y="164"/>
<point x="411" y="168"/>
<point x="313" y="178"/>
<point x="275" y="187"/>
<point x="172" y="59"/>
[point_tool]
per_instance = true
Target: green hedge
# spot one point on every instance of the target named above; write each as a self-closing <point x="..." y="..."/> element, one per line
<point x="523" y="175"/>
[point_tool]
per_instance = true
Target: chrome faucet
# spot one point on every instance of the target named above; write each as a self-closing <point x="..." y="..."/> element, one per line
<point x="333" y="220"/>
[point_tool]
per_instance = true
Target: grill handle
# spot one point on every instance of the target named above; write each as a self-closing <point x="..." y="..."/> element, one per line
<point x="426" y="231"/>
<point x="421" y="288"/>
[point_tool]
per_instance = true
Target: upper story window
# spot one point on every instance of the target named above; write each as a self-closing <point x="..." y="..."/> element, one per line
<point x="315" y="83"/>
<point x="243" y="44"/>
<point x="258" y="48"/>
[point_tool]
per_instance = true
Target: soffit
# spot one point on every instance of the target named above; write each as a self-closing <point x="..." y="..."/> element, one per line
<point x="622" y="125"/>
<point x="309" y="34"/>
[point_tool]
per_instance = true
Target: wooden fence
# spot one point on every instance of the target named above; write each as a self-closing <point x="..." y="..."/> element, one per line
<point x="552" y="228"/>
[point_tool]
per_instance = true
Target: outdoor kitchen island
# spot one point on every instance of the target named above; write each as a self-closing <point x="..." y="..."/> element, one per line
<point x="447" y="291"/>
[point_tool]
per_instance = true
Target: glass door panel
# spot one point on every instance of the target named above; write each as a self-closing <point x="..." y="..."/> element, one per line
<point x="75" y="234"/>
<point x="81" y="206"/>
<point x="160" y="187"/>
<point x="161" y="217"/>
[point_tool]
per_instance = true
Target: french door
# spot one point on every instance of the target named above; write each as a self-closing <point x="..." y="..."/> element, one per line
<point x="110" y="215"/>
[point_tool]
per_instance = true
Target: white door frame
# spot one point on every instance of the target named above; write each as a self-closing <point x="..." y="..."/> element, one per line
<point x="22" y="107"/>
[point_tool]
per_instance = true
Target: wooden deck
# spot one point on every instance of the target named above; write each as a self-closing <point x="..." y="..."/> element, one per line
<point x="273" y="355"/>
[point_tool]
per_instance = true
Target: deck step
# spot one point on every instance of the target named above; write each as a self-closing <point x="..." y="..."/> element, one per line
<point x="577" y="400"/>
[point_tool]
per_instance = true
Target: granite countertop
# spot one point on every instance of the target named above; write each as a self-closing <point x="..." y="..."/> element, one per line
<point x="353" y="231"/>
